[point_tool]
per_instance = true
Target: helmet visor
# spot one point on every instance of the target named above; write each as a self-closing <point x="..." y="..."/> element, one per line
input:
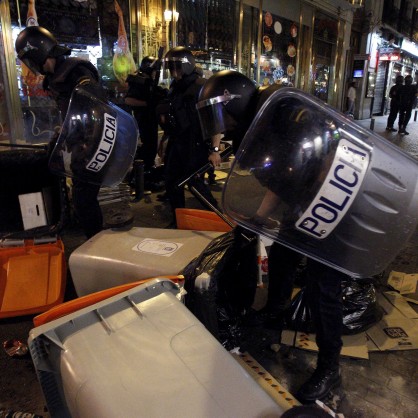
<point x="172" y="68"/>
<point x="34" y="66"/>
<point x="213" y="116"/>
<point x="212" y="120"/>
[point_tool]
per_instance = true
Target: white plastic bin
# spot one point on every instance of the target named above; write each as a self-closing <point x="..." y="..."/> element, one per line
<point x="141" y="353"/>
<point x="113" y="257"/>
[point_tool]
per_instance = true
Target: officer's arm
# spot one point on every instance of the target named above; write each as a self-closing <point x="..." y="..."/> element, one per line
<point x="214" y="156"/>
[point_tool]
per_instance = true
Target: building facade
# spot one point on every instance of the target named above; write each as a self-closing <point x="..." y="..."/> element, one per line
<point x="318" y="46"/>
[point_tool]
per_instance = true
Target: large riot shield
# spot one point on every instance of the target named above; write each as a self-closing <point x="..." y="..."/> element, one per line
<point x="313" y="180"/>
<point x="97" y="142"/>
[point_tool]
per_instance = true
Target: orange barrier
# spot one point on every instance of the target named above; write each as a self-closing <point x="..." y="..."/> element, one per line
<point x="200" y="220"/>
<point x="88" y="300"/>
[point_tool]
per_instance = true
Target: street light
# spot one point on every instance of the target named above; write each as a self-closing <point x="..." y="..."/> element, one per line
<point x="168" y="15"/>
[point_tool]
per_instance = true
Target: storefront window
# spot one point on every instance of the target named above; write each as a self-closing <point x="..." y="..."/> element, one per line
<point x="95" y="31"/>
<point x="324" y="46"/>
<point x="278" y="50"/>
<point x="207" y="28"/>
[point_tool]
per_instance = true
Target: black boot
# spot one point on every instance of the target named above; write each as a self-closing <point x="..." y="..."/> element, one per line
<point x="319" y="385"/>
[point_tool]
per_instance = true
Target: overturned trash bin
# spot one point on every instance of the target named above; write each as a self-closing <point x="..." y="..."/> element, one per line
<point x="141" y="353"/>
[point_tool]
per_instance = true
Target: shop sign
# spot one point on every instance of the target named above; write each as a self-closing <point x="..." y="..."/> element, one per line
<point x="389" y="54"/>
<point x="410" y="47"/>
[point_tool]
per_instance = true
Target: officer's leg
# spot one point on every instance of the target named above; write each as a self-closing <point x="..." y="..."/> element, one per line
<point x="325" y="293"/>
<point x="86" y="207"/>
<point x="174" y="172"/>
<point x="198" y="158"/>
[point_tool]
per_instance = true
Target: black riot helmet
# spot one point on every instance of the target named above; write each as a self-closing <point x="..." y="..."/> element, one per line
<point x="225" y="101"/>
<point x="181" y="60"/>
<point x="35" y="44"/>
<point x="149" y="64"/>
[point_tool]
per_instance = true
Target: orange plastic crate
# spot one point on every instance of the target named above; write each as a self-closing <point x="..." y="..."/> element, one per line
<point x="200" y="220"/>
<point x="32" y="278"/>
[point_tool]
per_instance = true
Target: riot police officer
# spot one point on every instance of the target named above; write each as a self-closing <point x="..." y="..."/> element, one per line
<point x="227" y="91"/>
<point x="143" y="96"/>
<point x="187" y="150"/>
<point x="39" y="50"/>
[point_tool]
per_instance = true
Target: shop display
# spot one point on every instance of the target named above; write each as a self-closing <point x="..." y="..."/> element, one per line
<point x="279" y="50"/>
<point x="123" y="62"/>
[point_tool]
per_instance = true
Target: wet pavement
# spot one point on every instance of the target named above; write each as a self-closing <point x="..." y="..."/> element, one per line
<point x="383" y="386"/>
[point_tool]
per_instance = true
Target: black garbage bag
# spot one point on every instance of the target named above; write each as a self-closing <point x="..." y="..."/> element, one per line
<point x="360" y="308"/>
<point x="298" y="315"/>
<point x="221" y="284"/>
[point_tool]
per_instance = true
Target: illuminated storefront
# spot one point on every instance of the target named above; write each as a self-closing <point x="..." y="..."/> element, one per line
<point x="271" y="41"/>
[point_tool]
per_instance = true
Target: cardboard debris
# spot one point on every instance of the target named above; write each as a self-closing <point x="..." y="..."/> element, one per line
<point x="398" y="330"/>
<point x="395" y="333"/>
<point x="403" y="282"/>
<point x="353" y="345"/>
<point x="411" y="300"/>
<point x="400" y="303"/>
<point x="371" y="346"/>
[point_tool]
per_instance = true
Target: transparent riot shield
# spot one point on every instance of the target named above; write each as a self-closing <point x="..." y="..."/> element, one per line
<point x="97" y="142"/>
<point x="313" y="180"/>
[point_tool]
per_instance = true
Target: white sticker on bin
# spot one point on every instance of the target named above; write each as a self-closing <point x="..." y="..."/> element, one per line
<point x="338" y="191"/>
<point x="157" y="247"/>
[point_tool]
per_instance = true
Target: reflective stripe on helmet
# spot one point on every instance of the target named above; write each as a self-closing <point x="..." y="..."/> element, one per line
<point x="218" y="99"/>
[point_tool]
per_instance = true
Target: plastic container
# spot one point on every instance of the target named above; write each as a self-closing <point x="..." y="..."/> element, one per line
<point x="32" y="278"/>
<point x="200" y="220"/>
<point x="141" y="354"/>
<point x="115" y="257"/>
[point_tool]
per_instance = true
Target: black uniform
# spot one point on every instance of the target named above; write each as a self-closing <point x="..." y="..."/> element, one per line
<point x="407" y="100"/>
<point x="187" y="151"/>
<point x="394" y="104"/>
<point x="68" y="73"/>
<point x="142" y="87"/>
<point x="324" y="289"/>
